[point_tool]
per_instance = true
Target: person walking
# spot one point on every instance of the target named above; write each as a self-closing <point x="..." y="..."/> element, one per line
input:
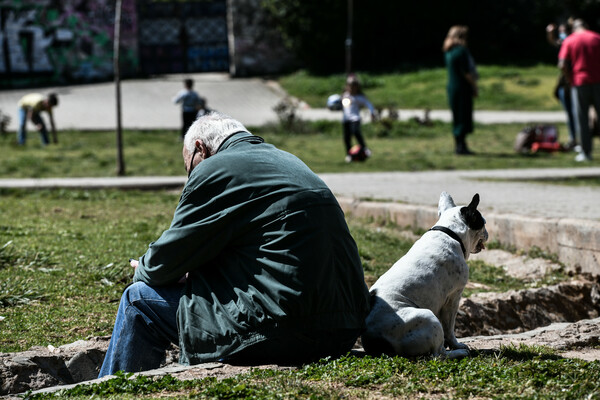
<point x="30" y="108"/>
<point x="353" y="99"/>
<point x="555" y="36"/>
<point x="579" y="59"/>
<point x="462" y="85"/>
<point x="191" y="103"/>
<point x="257" y="265"/>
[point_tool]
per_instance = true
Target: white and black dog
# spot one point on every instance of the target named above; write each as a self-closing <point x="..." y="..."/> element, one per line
<point x="414" y="304"/>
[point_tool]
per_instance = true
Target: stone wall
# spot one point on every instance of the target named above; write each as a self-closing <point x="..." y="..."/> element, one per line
<point x="575" y="242"/>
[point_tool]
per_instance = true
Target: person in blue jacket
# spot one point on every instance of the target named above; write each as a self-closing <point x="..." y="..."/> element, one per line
<point x="258" y="263"/>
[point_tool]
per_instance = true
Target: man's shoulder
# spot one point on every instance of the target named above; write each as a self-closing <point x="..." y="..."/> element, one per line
<point x="594" y="37"/>
<point x="581" y="37"/>
<point x="589" y="32"/>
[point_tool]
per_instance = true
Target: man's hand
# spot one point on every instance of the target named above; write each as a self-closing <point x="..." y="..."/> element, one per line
<point x="133" y="263"/>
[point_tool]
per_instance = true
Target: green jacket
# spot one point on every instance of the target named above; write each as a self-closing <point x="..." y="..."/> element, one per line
<point x="267" y="250"/>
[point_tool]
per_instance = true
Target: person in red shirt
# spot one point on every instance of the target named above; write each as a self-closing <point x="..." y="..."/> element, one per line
<point x="579" y="59"/>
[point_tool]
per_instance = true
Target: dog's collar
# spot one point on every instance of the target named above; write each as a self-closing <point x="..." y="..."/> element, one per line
<point x="452" y="234"/>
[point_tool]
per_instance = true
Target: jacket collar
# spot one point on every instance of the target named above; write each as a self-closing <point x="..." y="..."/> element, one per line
<point x="237" y="137"/>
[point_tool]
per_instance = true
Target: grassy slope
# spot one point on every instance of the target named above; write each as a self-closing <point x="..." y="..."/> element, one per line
<point x="501" y="88"/>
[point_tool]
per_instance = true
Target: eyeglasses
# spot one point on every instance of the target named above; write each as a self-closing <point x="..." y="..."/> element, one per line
<point x="190" y="168"/>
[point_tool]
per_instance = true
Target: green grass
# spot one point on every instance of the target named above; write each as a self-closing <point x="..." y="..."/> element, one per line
<point x="500" y="88"/>
<point x="63" y="259"/>
<point x="512" y="372"/>
<point x="570" y="181"/>
<point x="396" y="146"/>
<point x="63" y="267"/>
<point x="93" y="154"/>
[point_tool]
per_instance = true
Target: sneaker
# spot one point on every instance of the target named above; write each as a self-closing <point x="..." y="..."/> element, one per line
<point x="368" y="152"/>
<point x="582" y="157"/>
<point x="348" y="158"/>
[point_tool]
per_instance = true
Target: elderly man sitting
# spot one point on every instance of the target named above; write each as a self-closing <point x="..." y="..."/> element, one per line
<point x="258" y="263"/>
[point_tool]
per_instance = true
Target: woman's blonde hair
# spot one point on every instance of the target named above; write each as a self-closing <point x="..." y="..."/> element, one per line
<point x="457" y="36"/>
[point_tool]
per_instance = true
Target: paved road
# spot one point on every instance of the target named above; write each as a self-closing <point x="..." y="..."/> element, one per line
<point x="147" y="104"/>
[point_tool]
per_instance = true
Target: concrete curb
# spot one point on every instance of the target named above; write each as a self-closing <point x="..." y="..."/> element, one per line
<point x="131" y="182"/>
<point x="576" y="242"/>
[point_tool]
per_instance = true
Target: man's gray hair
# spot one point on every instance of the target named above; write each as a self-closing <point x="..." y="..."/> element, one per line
<point x="212" y="129"/>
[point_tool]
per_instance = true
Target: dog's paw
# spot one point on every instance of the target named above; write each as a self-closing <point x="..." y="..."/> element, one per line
<point x="454" y="344"/>
<point x="460" y="346"/>
<point x="457" y="354"/>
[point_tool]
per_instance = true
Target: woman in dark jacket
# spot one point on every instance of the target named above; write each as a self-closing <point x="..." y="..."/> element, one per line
<point x="462" y="85"/>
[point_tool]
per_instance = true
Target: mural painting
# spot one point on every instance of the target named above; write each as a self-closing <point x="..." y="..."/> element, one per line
<point x="47" y="42"/>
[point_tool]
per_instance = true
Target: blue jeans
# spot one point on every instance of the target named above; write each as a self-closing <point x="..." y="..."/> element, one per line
<point x="145" y="327"/>
<point x="36" y="118"/>
<point x="564" y="95"/>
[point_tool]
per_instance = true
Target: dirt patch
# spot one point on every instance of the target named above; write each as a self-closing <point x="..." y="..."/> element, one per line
<point x="579" y="339"/>
<point x="522" y="310"/>
<point x="518" y="266"/>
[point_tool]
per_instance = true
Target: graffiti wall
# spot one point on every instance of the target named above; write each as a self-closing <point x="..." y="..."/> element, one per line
<point x="54" y="42"/>
<point x="48" y="42"/>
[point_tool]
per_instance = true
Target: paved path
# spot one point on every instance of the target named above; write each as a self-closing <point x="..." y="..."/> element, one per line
<point x="527" y="192"/>
<point x="147" y="104"/>
<point x="516" y="196"/>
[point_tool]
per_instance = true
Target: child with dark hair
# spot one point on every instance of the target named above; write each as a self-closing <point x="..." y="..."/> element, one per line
<point x="190" y="102"/>
<point x="30" y="108"/>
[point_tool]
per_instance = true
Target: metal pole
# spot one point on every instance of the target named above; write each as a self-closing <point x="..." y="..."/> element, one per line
<point x="117" y="73"/>
<point x="349" y="39"/>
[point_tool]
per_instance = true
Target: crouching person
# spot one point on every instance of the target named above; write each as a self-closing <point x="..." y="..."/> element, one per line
<point x="257" y="265"/>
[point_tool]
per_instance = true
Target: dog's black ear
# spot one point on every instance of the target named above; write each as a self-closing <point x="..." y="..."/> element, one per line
<point x="471" y="216"/>
<point x="474" y="202"/>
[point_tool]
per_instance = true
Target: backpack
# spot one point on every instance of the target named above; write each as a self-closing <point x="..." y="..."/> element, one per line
<point x="538" y="137"/>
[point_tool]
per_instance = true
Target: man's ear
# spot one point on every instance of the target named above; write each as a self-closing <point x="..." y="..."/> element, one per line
<point x="201" y="148"/>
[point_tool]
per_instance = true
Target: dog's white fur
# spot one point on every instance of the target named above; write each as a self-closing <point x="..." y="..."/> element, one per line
<point x="414" y="304"/>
